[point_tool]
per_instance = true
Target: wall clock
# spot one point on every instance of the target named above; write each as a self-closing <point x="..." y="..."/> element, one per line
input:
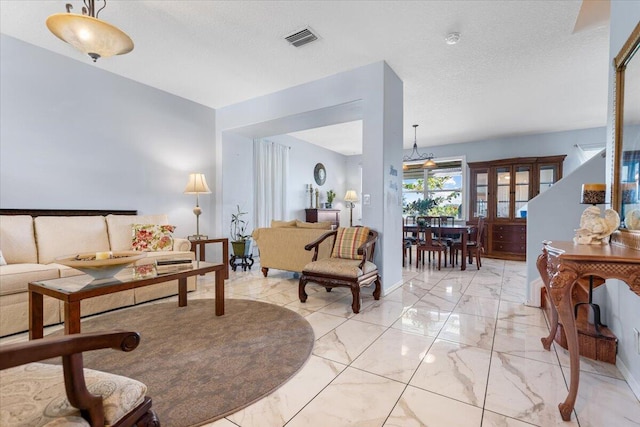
<point x="319" y="174"/>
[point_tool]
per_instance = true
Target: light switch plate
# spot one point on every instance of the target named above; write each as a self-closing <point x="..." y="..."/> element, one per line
<point x="366" y="199"/>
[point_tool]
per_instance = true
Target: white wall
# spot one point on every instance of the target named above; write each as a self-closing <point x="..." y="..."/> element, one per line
<point x="378" y="92"/>
<point x="555" y="214"/>
<point x="303" y="156"/>
<point x="73" y="136"/>
<point x="621" y="307"/>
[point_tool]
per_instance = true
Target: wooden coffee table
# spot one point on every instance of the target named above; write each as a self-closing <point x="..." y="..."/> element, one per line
<point x="72" y="290"/>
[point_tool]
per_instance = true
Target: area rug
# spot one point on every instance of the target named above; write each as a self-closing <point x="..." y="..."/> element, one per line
<point x="199" y="367"/>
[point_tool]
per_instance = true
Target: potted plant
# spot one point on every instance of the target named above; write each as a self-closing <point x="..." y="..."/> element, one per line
<point x="240" y="240"/>
<point x="330" y="196"/>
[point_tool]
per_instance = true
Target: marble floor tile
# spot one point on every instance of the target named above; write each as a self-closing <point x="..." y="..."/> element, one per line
<point x="454" y="370"/>
<point x="447" y="293"/>
<point x="519" y="339"/>
<point x="435" y="302"/>
<point x="347" y="341"/>
<point x="478" y="306"/>
<point x="323" y="323"/>
<point x="281" y="405"/>
<point x="589" y="365"/>
<point x="468" y="329"/>
<point x="382" y="312"/>
<point x="355" y="397"/>
<point x="417" y="408"/>
<point x="491" y="419"/>
<point x="485" y="290"/>
<point x="414" y="283"/>
<point x="422" y="319"/>
<point x="395" y="355"/>
<point x="407" y="294"/>
<point x="520" y="313"/>
<point x="605" y="401"/>
<point x="526" y="390"/>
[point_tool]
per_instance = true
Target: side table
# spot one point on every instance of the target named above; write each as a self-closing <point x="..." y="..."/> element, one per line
<point x="246" y="261"/>
<point x="198" y="247"/>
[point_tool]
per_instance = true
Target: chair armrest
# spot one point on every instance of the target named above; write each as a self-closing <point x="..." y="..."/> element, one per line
<point x="367" y="248"/>
<point x="316" y="243"/>
<point x="32" y="351"/>
<point x="70" y="347"/>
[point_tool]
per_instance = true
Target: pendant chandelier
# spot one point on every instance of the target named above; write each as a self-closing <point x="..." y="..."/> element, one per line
<point x="88" y="34"/>
<point x="415" y="155"/>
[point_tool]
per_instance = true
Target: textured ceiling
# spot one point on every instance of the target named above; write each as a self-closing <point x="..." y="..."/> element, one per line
<point x="518" y="68"/>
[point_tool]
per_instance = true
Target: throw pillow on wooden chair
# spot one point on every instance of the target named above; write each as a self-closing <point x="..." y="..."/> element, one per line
<point x="39" y="394"/>
<point x="350" y="265"/>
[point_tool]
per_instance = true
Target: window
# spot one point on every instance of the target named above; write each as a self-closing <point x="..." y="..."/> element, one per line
<point x="444" y="185"/>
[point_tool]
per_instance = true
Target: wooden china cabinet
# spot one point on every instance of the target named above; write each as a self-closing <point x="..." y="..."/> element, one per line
<point x="500" y="191"/>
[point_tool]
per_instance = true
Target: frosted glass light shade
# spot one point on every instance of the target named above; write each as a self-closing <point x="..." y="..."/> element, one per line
<point x="351" y="196"/>
<point x="429" y="164"/>
<point x="197" y="184"/>
<point x="95" y="37"/>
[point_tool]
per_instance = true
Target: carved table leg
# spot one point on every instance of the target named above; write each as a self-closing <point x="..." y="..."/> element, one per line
<point x="541" y="263"/>
<point x="301" y="293"/>
<point x="562" y="298"/>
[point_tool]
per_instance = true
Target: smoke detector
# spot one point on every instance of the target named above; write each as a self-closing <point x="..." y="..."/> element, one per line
<point x="301" y="37"/>
<point x="452" y="38"/>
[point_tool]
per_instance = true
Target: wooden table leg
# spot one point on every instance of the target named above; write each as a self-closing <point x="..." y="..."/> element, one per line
<point x="463" y="243"/>
<point x="565" y="313"/>
<point x="219" y="292"/>
<point x="541" y="263"/>
<point x="182" y="292"/>
<point x="36" y="317"/>
<point x="225" y="257"/>
<point x="72" y="317"/>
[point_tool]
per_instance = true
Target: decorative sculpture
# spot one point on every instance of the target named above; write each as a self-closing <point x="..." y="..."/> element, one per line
<point x="594" y="229"/>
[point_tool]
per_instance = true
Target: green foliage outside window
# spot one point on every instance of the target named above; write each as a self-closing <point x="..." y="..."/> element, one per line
<point x="434" y="206"/>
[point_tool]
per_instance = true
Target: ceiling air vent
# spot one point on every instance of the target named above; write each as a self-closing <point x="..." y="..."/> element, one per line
<point x="302" y="37"/>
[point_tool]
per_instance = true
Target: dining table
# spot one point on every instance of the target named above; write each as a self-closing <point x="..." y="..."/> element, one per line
<point x="442" y="230"/>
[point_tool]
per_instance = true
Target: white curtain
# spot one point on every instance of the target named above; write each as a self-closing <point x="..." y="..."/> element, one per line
<point x="271" y="170"/>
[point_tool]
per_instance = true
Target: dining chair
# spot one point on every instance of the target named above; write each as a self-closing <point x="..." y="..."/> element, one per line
<point x="475" y="245"/>
<point x="427" y="243"/>
<point x="408" y="240"/>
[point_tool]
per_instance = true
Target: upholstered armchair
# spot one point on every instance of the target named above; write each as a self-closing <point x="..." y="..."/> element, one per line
<point x="39" y="394"/>
<point x="350" y="264"/>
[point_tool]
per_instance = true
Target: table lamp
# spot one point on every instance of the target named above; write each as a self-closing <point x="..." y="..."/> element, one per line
<point x="197" y="185"/>
<point x="350" y="198"/>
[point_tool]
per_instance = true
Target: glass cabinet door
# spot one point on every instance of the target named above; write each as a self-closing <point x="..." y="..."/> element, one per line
<point x="523" y="177"/>
<point x="547" y="176"/>
<point x="481" y="202"/>
<point x="503" y="192"/>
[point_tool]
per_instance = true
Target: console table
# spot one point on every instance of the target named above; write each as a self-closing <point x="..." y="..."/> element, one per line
<point x="561" y="264"/>
<point x="322" y="215"/>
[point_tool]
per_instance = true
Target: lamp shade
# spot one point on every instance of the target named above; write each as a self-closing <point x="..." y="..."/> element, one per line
<point x="593" y="194"/>
<point x="95" y="37"/>
<point x="197" y="184"/>
<point x="351" y="196"/>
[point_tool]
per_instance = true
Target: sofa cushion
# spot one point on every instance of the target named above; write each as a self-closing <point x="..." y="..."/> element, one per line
<point x="69" y="235"/>
<point x="323" y="225"/>
<point x="348" y="240"/>
<point x="17" y="239"/>
<point x="283" y="224"/>
<point x="152" y="237"/>
<point x="2" y="260"/>
<point x="119" y="228"/>
<point x="15" y="278"/>
<point x="339" y="267"/>
<point x="34" y="394"/>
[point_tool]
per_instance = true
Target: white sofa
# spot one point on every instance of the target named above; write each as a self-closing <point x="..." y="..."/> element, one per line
<point x="31" y="244"/>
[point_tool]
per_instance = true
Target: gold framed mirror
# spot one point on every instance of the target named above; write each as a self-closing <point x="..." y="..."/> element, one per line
<point x="626" y="170"/>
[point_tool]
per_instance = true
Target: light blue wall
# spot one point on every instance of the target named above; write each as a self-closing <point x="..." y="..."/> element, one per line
<point x="621" y="307"/>
<point x="73" y="136"/>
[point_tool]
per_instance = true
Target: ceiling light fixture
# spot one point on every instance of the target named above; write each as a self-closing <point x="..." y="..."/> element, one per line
<point x="415" y="155"/>
<point x="452" y="38"/>
<point x="88" y="34"/>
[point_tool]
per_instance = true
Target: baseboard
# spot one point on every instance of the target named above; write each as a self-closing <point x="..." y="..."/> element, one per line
<point x="386" y="292"/>
<point x="633" y="383"/>
<point x="533" y="299"/>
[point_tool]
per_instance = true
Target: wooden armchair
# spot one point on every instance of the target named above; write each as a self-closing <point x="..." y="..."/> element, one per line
<point x="38" y="394"/>
<point x="350" y="265"/>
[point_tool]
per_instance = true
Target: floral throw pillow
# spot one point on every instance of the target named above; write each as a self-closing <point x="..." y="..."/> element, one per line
<point x="152" y="237"/>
